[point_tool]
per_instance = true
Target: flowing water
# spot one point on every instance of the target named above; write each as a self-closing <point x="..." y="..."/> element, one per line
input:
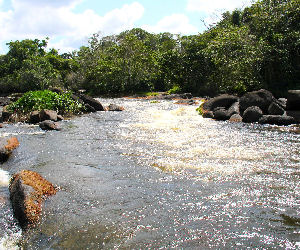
<point x="158" y="176"/>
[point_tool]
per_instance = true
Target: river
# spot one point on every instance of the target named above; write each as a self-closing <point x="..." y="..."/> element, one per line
<point x="158" y="176"/>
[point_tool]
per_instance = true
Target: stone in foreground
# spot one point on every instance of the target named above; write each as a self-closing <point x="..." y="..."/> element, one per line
<point x="6" y="147"/>
<point x="114" y="107"/>
<point x="252" y="114"/>
<point x="28" y="190"/>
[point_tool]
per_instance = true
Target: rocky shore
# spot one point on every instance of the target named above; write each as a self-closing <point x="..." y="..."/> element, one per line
<point x="257" y="106"/>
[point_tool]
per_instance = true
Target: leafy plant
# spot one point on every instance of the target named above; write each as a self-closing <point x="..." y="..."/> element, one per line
<point x="46" y="99"/>
<point x="175" y="90"/>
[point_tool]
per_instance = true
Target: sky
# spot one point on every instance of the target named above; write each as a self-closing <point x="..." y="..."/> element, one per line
<point x="69" y="23"/>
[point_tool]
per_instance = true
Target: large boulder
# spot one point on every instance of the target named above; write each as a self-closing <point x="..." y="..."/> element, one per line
<point x="277" y="120"/>
<point x="261" y="98"/>
<point x="293" y="100"/>
<point x="220" y="101"/>
<point x="28" y="190"/>
<point x="6" y="147"/>
<point x="92" y="102"/>
<point x="49" y="125"/>
<point x="46" y="114"/>
<point x="252" y="114"/>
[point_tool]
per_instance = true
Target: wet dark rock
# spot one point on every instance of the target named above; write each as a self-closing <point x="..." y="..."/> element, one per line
<point x="6" y="147"/>
<point x="46" y="114"/>
<point x="277" y="120"/>
<point x="28" y="190"/>
<point x="1" y="125"/>
<point x="294" y="114"/>
<point x="275" y="109"/>
<point x="34" y="117"/>
<point x="220" y="101"/>
<point x="221" y="114"/>
<point x="208" y="114"/>
<point x="236" y="118"/>
<point x="252" y="114"/>
<point x="92" y="102"/>
<point x="89" y="108"/>
<point x="261" y="98"/>
<point x="5" y="114"/>
<point x="293" y="100"/>
<point x="114" y="107"/>
<point x="49" y="125"/>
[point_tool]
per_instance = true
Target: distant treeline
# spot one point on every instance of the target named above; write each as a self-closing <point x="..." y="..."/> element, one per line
<point x="257" y="47"/>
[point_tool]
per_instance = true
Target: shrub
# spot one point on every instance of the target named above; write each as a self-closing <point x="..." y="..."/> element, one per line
<point x="46" y="99"/>
<point x="175" y="90"/>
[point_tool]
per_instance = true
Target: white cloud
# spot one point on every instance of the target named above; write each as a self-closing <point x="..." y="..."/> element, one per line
<point x="30" y="19"/>
<point x="176" y="24"/>
<point x="210" y="6"/>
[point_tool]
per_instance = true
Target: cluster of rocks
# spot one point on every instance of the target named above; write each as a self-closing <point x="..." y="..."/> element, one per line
<point x="27" y="189"/>
<point x="47" y="119"/>
<point x="257" y="106"/>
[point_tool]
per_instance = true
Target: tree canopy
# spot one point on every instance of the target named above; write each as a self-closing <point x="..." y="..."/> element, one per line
<point x="248" y="49"/>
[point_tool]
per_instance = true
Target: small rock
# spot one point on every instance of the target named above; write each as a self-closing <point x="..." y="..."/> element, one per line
<point x="208" y="114"/>
<point x="295" y="114"/>
<point x="221" y="114"/>
<point x="252" y="114"/>
<point x="46" y="114"/>
<point x="49" y="125"/>
<point x="234" y="109"/>
<point x="277" y="120"/>
<point x="34" y="117"/>
<point x="1" y="125"/>
<point x="114" y="107"/>
<point x="28" y="190"/>
<point x="6" y="114"/>
<point x="6" y="147"/>
<point x="236" y="118"/>
<point x="60" y="118"/>
<point x="4" y="101"/>
<point x="185" y="102"/>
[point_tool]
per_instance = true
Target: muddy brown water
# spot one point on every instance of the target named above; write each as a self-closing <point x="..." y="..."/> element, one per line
<point x="158" y="176"/>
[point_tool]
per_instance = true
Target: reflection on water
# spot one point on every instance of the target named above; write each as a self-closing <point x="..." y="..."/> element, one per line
<point x="160" y="176"/>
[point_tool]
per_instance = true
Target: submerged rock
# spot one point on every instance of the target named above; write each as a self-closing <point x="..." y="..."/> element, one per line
<point x="6" y="147"/>
<point x="28" y="190"/>
<point x="114" y="107"/>
<point x="49" y="125"/>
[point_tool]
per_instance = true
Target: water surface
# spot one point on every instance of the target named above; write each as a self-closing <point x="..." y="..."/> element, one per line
<point x="158" y="175"/>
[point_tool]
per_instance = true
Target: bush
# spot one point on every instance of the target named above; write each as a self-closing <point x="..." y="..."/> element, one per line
<point x="46" y="99"/>
<point x="175" y="90"/>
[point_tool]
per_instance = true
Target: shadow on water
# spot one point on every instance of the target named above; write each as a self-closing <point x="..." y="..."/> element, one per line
<point x="157" y="175"/>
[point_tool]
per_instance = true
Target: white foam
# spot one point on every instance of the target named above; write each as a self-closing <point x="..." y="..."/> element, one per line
<point x="10" y="242"/>
<point x="4" y="178"/>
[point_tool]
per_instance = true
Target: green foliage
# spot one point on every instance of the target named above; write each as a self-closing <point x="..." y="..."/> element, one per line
<point x="251" y="48"/>
<point x="46" y="99"/>
<point x="175" y="90"/>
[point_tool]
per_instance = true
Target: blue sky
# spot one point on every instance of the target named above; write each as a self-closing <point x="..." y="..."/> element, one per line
<point x="69" y="23"/>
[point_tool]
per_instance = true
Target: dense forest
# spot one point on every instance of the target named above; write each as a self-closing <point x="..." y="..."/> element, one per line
<point x="256" y="47"/>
